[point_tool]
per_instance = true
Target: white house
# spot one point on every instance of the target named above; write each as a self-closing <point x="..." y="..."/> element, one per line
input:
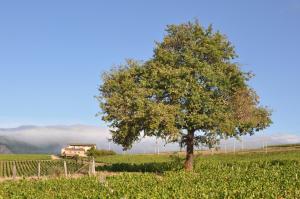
<point x="77" y="149"/>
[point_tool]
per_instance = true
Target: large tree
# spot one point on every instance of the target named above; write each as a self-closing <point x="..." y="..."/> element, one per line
<point x="191" y="91"/>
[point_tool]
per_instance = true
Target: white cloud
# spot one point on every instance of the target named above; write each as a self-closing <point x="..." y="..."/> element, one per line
<point x="42" y="136"/>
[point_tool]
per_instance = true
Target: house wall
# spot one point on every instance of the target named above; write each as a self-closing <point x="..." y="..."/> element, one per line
<point x="75" y="150"/>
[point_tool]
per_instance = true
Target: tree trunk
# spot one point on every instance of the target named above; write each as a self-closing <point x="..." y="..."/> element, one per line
<point x="188" y="165"/>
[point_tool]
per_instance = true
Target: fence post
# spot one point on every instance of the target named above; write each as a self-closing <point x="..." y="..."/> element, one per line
<point x="90" y="168"/>
<point x="14" y="171"/>
<point x="65" y="168"/>
<point x="93" y="167"/>
<point x="39" y="169"/>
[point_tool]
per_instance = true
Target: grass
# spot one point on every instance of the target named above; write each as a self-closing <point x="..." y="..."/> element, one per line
<point x="253" y="156"/>
<point x="286" y="145"/>
<point x="13" y="157"/>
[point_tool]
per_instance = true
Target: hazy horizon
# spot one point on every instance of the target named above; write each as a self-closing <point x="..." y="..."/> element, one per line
<point x="52" y="138"/>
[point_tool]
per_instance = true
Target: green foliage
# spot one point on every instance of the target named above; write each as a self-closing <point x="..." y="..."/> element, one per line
<point x="52" y="188"/>
<point x="175" y="162"/>
<point x="191" y="91"/>
<point x="76" y="157"/>
<point x="30" y="167"/>
<point x="93" y="152"/>
<point x="255" y="175"/>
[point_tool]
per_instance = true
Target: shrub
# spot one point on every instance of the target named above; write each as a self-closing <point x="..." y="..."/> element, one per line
<point x="97" y="153"/>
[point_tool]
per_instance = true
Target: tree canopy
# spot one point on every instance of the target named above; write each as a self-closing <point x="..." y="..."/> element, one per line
<point x="191" y="91"/>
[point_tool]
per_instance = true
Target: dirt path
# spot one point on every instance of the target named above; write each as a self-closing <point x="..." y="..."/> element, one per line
<point x="54" y="157"/>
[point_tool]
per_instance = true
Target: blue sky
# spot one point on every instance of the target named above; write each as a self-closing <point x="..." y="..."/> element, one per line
<point x="53" y="52"/>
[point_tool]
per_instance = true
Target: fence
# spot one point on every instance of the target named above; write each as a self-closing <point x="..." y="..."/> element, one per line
<point x="29" y="168"/>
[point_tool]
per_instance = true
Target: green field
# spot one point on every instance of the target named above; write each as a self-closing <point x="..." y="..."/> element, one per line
<point x="14" y="157"/>
<point x="250" y="175"/>
<point x="297" y="145"/>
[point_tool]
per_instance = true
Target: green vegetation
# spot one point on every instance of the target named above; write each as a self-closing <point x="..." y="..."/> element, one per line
<point x="24" y="157"/>
<point x="134" y="158"/>
<point x="99" y="152"/>
<point x="252" y="175"/>
<point x="30" y="167"/>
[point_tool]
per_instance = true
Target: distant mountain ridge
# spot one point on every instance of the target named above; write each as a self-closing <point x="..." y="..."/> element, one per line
<point x="24" y="127"/>
<point x="4" y="149"/>
<point x="8" y="145"/>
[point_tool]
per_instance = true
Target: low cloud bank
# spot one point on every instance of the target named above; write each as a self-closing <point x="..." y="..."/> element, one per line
<point x="51" y="138"/>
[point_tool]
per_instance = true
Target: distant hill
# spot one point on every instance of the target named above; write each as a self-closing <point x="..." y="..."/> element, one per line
<point x="4" y="149"/>
<point x="8" y="145"/>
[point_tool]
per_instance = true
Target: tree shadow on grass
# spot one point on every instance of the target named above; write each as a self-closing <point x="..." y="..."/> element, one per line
<point x="174" y="164"/>
<point x="154" y="167"/>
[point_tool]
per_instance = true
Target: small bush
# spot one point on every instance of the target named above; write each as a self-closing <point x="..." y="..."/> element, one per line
<point x="99" y="152"/>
